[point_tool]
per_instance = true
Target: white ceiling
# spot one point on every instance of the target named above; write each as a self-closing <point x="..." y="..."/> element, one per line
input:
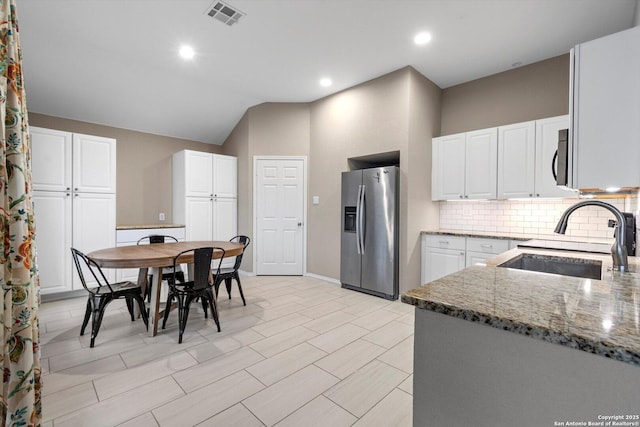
<point x="115" y="62"/>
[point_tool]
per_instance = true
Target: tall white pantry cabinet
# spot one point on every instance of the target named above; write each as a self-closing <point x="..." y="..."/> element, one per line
<point x="74" y="193"/>
<point x="205" y="195"/>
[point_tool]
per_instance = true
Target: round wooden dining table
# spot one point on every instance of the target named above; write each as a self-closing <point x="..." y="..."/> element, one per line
<point x="156" y="257"/>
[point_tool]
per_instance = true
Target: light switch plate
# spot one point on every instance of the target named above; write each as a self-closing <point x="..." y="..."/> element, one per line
<point x="316" y="200"/>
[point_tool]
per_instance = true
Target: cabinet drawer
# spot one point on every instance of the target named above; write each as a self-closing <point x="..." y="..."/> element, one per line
<point x="445" y="242"/>
<point x="487" y="246"/>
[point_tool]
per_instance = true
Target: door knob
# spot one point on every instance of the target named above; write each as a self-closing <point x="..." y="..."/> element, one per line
<point x="299" y="224"/>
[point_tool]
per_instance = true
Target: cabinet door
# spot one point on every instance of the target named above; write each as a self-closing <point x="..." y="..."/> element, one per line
<point x="440" y="262"/>
<point x="199" y="218"/>
<point x="94" y="164"/>
<point x="225" y="176"/>
<point x="94" y="227"/>
<point x="225" y="218"/>
<point x="225" y="223"/>
<point x="447" y="174"/>
<point x="546" y="161"/>
<point x="481" y="166"/>
<point x="473" y="258"/>
<point x="53" y="226"/>
<point x="605" y="111"/>
<point x="516" y="160"/>
<point x="50" y="159"/>
<point x="199" y="172"/>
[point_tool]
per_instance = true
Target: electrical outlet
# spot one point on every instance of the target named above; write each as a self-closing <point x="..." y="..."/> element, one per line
<point x="161" y="216"/>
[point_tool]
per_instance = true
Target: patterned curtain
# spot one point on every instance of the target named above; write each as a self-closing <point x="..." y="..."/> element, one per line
<point x="21" y="384"/>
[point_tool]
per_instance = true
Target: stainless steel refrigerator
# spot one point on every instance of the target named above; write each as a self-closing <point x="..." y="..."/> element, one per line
<point x="369" y="241"/>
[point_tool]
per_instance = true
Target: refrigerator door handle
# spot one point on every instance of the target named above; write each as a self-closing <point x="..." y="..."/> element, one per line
<point x="360" y="220"/>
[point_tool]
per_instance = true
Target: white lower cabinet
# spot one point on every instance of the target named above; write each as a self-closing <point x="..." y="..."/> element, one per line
<point x="53" y="240"/>
<point x="94" y="225"/>
<point x="85" y="221"/>
<point x="481" y="249"/>
<point x="443" y="255"/>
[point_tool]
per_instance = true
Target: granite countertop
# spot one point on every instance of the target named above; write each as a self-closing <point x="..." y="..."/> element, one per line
<point x="148" y="226"/>
<point x="597" y="316"/>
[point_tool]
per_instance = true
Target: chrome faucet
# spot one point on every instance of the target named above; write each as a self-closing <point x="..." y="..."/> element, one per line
<point x="619" y="247"/>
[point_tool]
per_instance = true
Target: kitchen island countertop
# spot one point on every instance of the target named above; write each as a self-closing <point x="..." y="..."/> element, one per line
<point x="601" y="317"/>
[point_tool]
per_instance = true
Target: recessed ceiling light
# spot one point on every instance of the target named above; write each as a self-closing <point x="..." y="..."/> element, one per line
<point x="422" y="38"/>
<point x="325" y="82"/>
<point x="186" y="52"/>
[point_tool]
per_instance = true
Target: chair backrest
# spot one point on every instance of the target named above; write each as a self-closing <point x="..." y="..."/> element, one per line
<point x="202" y="258"/>
<point x="156" y="238"/>
<point x="245" y="240"/>
<point x="83" y="263"/>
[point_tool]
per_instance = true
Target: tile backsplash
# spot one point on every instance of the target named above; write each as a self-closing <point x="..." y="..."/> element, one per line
<point x="536" y="216"/>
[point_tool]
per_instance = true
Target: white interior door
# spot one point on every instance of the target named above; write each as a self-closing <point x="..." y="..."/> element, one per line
<point x="280" y="196"/>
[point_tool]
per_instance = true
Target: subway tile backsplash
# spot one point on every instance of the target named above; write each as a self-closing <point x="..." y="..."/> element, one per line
<point x="536" y="216"/>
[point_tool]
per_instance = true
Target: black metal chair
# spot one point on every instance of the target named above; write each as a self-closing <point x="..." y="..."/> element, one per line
<point x="229" y="274"/>
<point x="104" y="293"/>
<point x="199" y="287"/>
<point x="167" y="271"/>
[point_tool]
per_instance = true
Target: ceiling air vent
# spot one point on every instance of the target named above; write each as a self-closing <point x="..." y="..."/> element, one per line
<point x="224" y="13"/>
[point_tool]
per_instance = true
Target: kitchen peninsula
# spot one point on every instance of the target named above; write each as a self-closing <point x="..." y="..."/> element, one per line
<point x="500" y="347"/>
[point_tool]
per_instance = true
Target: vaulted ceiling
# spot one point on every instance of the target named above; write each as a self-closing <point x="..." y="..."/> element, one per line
<point x="116" y="62"/>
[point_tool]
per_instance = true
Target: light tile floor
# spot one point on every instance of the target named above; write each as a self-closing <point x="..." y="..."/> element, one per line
<point x="303" y="352"/>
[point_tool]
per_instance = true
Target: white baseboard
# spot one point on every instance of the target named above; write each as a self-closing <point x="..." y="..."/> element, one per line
<point x="325" y="278"/>
<point x="246" y="273"/>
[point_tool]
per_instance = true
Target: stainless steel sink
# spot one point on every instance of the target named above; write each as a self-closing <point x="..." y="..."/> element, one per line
<point x="576" y="267"/>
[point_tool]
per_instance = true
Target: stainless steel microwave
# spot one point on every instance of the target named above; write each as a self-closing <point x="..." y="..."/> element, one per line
<point x="562" y="175"/>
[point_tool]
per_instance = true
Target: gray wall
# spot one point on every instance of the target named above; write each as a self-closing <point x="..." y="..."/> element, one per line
<point x="527" y="93"/>
<point x="399" y="111"/>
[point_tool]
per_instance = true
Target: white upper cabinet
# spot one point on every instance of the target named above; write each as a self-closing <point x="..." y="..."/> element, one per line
<point x="516" y="160"/>
<point x="225" y="172"/>
<point x="94" y="164"/>
<point x="465" y="165"/>
<point x="198" y="172"/>
<point x="605" y="142"/>
<point x="546" y="158"/>
<point x="527" y="161"/>
<point x="447" y="182"/>
<point x="508" y="162"/>
<point x="50" y="159"/>
<point x="481" y="161"/>
<point x="208" y="175"/>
